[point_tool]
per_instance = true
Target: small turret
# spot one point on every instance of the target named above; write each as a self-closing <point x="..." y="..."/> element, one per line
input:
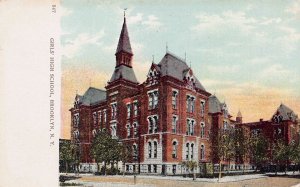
<point x="239" y="117"/>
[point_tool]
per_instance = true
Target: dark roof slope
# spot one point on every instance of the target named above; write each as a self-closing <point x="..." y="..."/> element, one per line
<point x="124" y="42"/>
<point x="173" y="66"/>
<point x="214" y="105"/>
<point x="93" y="95"/>
<point x="124" y="72"/>
<point x="286" y="113"/>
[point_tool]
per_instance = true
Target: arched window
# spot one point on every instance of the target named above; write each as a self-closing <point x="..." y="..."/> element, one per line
<point x="202" y="152"/>
<point x="202" y="132"/>
<point x="128" y="130"/>
<point x="155" y="124"/>
<point x="135" y="151"/>
<point x="149" y="149"/>
<point x="135" y="130"/>
<point x="174" y="152"/>
<point x="187" y="147"/>
<point x="192" y="151"/>
<point x="155" y="149"/>
<point x="150" y="121"/>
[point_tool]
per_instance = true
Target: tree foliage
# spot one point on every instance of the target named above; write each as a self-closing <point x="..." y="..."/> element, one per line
<point x="258" y="145"/>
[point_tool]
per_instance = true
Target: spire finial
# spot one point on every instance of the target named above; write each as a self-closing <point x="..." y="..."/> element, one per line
<point x="76" y="92"/>
<point x="125" y="12"/>
<point x="152" y="58"/>
<point x="190" y="64"/>
<point x="185" y="56"/>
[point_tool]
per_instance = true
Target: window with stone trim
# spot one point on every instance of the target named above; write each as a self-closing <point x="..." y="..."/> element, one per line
<point x="190" y="127"/>
<point x="174" y="123"/>
<point x="187" y="149"/>
<point x="202" y="108"/>
<point x="152" y="99"/>
<point x="190" y="103"/>
<point x="135" y="128"/>
<point x="128" y="130"/>
<point x="95" y="118"/>
<point x="104" y="116"/>
<point x="155" y="149"/>
<point x="149" y="149"/>
<point x="174" y="99"/>
<point x="135" y="152"/>
<point x="128" y="110"/>
<point x="113" y="111"/>
<point x="99" y="117"/>
<point x="174" y="149"/>
<point x="135" y="108"/>
<point x="113" y="128"/>
<point x="202" y="152"/>
<point x="192" y="151"/>
<point x="202" y="131"/>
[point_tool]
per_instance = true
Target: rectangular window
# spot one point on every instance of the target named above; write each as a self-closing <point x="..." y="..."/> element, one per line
<point x="113" y="111"/>
<point x="202" y="108"/>
<point x="104" y="116"/>
<point x="202" y="132"/>
<point x="128" y="111"/>
<point x="128" y="130"/>
<point x="135" y="108"/>
<point x="95" y="118"/>
<point x="155" y="99"/>
<point x="99" y="117"/>
<point x="174" y="99"/>
<point x="150" y="101"/>
<point x="174" y="124"/>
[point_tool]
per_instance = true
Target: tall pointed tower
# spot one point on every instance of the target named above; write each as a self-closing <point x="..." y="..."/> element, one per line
<point x="124" y="53"/>
<point x="123" y="81"/>
<point x="123" y="69"/>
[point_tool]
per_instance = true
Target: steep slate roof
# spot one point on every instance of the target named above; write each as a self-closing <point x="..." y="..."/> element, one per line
<point x="214" y="105"/>
<point x="286" y="113"/>
<point x="93" y="95"/>
<point x="173" y="66"/>
<point x="124" y="43"/>
<point x="124" y="72"/>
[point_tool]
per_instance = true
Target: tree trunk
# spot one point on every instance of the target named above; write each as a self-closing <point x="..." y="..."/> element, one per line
<point x="98" y="167"/>
<point x="286" y="165"/>
<point x="220" y="170"/>
<point x="123" y="164"/>
<point x="66" y="168"/>
<point x="105" y="168"/>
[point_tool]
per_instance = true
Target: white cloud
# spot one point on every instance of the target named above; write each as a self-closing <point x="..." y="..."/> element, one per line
<point x="259" y="60"/>
<point x="275" y="70"/>
<point x="294" y="8"/>
<point x="73" y="46"/>
<point x="223" y="69"/>
<point x="152" y="22"/>
<point x="239" y="20"/>
<point x="135" y="19"/>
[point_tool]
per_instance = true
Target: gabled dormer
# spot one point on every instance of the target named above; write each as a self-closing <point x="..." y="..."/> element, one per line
<point x="153" y="75"/>
<point x="189" y="79"/>
<point x="284" y="113"/>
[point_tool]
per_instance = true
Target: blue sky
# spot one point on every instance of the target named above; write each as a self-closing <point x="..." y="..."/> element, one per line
<point x="239" y="50"/>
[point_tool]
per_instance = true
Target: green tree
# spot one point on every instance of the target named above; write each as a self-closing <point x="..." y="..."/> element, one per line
<point x="222" y="143"/>
<point x="66" y="154"/>
<point x="242" y="145"/>
<point x="259" y="150"/>
<point x="125" y="154"/>
<point x="295" y="155"/>
<point x="104" y="149"/>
